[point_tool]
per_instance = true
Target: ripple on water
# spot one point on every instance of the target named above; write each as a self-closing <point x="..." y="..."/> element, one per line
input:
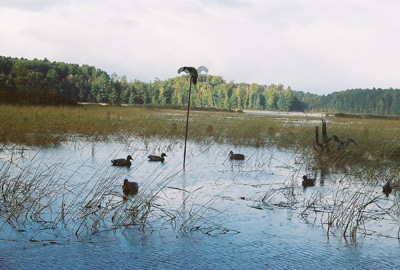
<point x="269" y="238"/>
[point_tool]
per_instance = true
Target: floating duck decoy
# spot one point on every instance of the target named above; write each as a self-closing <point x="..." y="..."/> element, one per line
<point x="236" y="156"/>
<point x="122" y="162"/>
<point x="307" y="182"/>
<point x="387" y="188"/>
<point x="130" y="188"/>
<point x="157" y="158"/>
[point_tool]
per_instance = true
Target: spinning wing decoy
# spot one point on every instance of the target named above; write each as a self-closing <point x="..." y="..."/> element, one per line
<point x="193" y="72"/>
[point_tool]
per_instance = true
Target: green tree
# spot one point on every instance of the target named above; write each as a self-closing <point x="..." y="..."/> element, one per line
<point x="101" y="88"/>
<point x="52" y="79"/>
<point x="285" y="101"/>
<point x="395" y="106"/>
<point x="20" y="75"/>
<point x="131" y="98"/>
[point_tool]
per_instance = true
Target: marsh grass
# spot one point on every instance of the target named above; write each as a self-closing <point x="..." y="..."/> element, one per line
<point x="29" y="196"/>
<point x="378" y="147"/>
<point x="377" y="139"/>
<point x="351" y="210"/>
<point x="35" y="198"/>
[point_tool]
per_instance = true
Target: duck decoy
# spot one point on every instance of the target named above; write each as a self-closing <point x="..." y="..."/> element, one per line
<point x="387" y="189"/>
<point x="157" y="158"/>
<point x="194" y="73"/>
<point x="122" y="162"/>
<point x="236" y="156"/>
<point x="307" y="182"/>
<point x="130" y="188"/>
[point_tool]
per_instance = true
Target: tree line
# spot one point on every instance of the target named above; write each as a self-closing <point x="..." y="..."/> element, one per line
<point x="360" y="101"/>
<point x="24" y="81"/>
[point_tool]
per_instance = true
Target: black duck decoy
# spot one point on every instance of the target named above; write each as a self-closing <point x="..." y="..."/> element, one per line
<point x="236" y="156"/>
<point x="307" y="182"/>
<point x="194" y="73"/>
<point x="157" y="158"/>
<point x="130" y="188"/>
<point x="387" y="188"/>
<point x="122" y="162"/>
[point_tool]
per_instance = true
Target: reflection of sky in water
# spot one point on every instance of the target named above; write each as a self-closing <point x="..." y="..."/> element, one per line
<point x="289" y="113"/>
<point x="219" y="194"/>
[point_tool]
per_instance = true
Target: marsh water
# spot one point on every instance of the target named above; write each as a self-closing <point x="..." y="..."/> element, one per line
<point x="249" y="214"/>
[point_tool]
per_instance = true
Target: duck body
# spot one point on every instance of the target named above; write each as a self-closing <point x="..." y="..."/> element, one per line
<point x="307" y="182"/>
<point x="157" y="158"/>
<point x="130" y="188"/>
<point x="236" y="156"/>
<point x="387" y="188"/>
<point x="122" y="162"/>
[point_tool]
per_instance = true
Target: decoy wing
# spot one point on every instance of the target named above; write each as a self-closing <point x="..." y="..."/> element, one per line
<point x="193" y="72"/>
<point x="202" y="68"/>
<point x="183" y="69"/>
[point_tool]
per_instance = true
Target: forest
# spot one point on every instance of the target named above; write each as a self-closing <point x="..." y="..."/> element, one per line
<point x="43" y="82"/>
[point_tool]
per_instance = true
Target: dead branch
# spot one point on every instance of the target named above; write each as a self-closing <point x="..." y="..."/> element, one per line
<point x="317" y="141"/>
<point x="324" y="146"/>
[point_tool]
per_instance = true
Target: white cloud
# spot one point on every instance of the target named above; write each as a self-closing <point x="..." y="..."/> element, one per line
<point x="29" y="5"/>
<point x="311" y="45"/>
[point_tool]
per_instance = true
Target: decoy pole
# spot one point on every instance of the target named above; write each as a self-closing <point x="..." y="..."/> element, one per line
<point x="187" y="123"/>
<point x="194" y="73"/>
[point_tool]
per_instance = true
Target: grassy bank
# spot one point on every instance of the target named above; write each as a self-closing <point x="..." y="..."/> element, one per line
<point x="377" y="139"/>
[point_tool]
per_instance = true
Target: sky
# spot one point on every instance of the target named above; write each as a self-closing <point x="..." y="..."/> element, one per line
<point x="316" y="46"/>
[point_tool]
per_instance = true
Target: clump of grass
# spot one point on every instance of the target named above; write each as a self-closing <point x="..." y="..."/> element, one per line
<point x="28" y="195"/>
<point x="349" y="210"/>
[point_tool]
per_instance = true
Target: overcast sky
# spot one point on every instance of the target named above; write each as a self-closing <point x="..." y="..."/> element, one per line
<point x="317" y="46"/>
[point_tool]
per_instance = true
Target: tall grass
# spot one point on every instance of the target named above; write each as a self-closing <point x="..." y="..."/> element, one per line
<point x="353" y="207"/>
<point x="377" y="139"/>
<point x="34" y="197"/>
<point x="352" y="210"/>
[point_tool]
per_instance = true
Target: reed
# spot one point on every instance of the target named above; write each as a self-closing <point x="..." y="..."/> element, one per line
<point x="353" y="208"/>
<point x="34" y="198"/>
<point x="377" y="141"/>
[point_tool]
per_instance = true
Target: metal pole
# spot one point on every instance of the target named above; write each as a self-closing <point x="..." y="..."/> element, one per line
<point x="187" y="123"/>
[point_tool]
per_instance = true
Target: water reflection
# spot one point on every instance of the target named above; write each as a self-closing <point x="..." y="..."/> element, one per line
<point x="255" y="209"/>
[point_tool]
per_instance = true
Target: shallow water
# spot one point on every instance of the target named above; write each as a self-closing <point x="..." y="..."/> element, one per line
<point x="229" y="227"/>
<point x="319" y="115"/>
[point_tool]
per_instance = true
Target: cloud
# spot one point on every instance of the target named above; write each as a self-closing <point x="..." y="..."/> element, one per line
<point x="28" y="5"/>
<point x="311" y="45"/>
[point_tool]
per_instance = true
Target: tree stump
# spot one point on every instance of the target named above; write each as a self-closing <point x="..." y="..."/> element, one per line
<point x="324" y="146"/>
